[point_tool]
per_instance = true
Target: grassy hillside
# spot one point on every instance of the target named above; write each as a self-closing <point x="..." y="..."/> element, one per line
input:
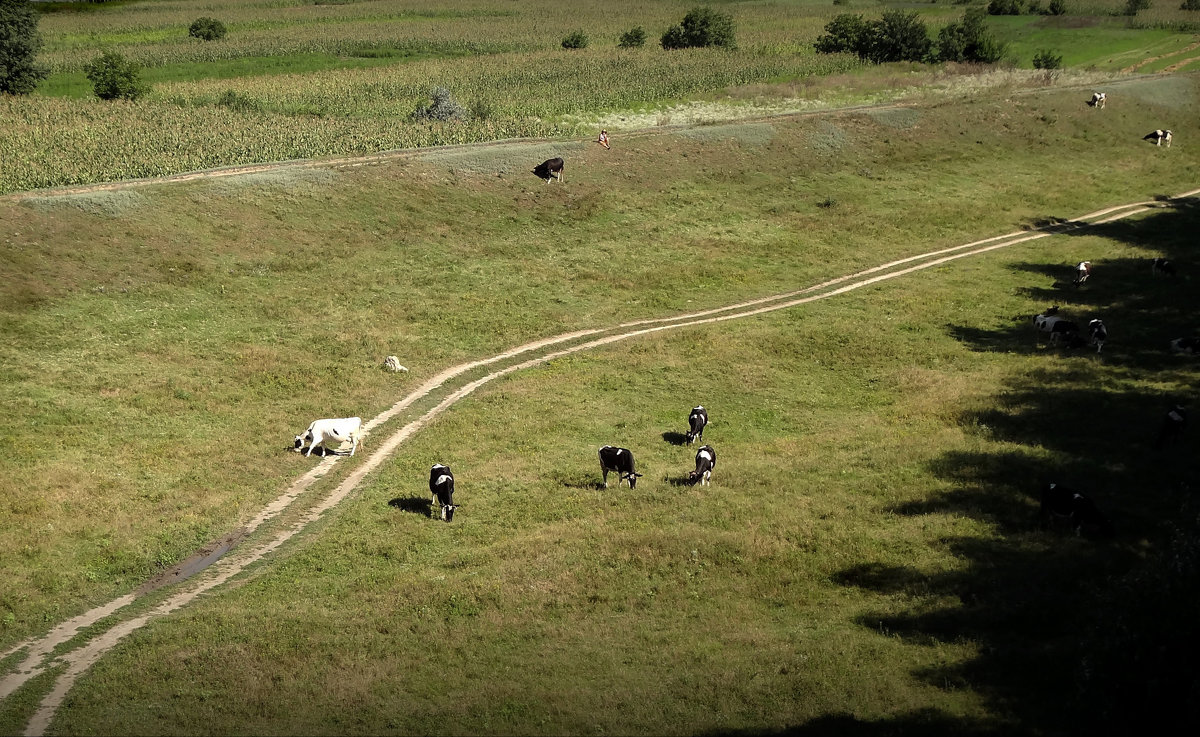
<point x="868" y="553"/>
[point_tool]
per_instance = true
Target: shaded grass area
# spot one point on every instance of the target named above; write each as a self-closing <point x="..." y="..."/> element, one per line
<point x="862" y="552"/>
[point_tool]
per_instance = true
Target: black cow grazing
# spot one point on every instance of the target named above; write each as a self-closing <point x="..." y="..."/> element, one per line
<point x="621" y="461"/>
<point x="1157" y="137"/>
<point x="1082" y="271"/>
<point x="1099" y="334"/>
<point x="441" y="486"/>
<point x="1186" y="346"/>
<point x="1067" y="506"/>
<point x="550" y="169"/>
<point x="706" y="461"/>
<point x="1173" y="425"/>
<point x="1162" y="266"/>
<point x="697" y="420"/>
<point x="1098" y="99"/>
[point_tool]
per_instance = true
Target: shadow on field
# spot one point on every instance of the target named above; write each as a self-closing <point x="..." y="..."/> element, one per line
<point x="675" y="438"/>
<point x="416" y="505"/>
<point x="929" y="722"/>
<point x="1073" y="635"/>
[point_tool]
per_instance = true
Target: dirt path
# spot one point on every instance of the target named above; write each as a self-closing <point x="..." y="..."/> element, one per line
<point x="1190" y="47"/>
<point x="39" y="652"/>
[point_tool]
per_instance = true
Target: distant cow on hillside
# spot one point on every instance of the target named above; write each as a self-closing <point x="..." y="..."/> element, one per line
<point x="697" y="421"/>
<point x="706" y="461"/>
<point x="1082" y="271"/>
<point x="1186" y="346"/>
<point x="1157" y="137"/>
<point x="1173" y="425"/>
<point x="441" y="487"/>
<point x="1162" y="266"/>
<point x="550" y="169"/>
<point x="1099" y="334"/>
<point x="1066" y="506"/>
<point x="1098" y="99"/>
<point x="621" y="461"/>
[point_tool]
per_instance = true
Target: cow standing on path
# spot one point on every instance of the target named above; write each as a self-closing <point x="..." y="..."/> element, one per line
<point x="619" y="460"/>
<point x="321" y="432"/>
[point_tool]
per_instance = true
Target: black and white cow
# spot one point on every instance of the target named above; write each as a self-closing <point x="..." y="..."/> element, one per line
<point x="1157" y="137"/>
<point x="1057" y="328"/>
<point x="1082" y="271"/>
<point x="550" y="169"/>
<point x="1186" y="346"/>
<point x="1173" y="425"/>
<point x="619" y="460"/>
<point x="1099" y="334"/>
<point x="321" y="432"/>
<point x="441" y="486"/>
<point x="1162" y="266"/>
<point x="1098" y="99"/>
<point x="697" y="421"/>
<point x="706" y="461"/>
<point x="1066" y="506"/>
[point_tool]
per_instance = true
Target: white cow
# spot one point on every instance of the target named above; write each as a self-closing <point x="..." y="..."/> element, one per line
<point x="1157" y="137"/>
<point x="321" y="432"/>
<point x="1098" y="99"/>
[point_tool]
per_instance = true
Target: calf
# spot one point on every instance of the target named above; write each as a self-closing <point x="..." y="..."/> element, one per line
<point x="550" y="169"/>
<point x="1173" y="425"/>
<point x="706" y="461"/>
<point x="697" y="421"/>
<point x="320" y="432"/>
<point x="1098" y="99"/>
<point x="1066" y="506"/>
<point x="1099" y="334"/>
<point x="1082" y="272"/>
<point x="1162" y="266"/>
<point x="1186" y="346"/>
<point x="441" y="486"/>
<point x="619" y="460"/>
<point x="1157" y="137"/>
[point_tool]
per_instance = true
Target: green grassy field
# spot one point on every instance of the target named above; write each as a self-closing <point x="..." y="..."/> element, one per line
<point x="300" y="79"/>
<point x="868" y="556"/>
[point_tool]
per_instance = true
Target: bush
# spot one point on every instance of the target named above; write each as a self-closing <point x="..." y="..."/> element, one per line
<point x="19" y="46"/>
<point x="899" y="36"/>
<point x="207" y="29"/>
<point x="702" y="26"/>
<point x="846" y="33"/>
<point x="1059" y="7"/>
<point x="115" y="77"/>
<point x="575" y="40"/>
<point x="1004" y="7"/>
<point x="1133" y="6"/>
<point x="442" y="108"/>
<point x="1047" y="59"/>
<point x="634" y="38"/>
<point x="1190" y="5"/>
<point x="970" y="41"/>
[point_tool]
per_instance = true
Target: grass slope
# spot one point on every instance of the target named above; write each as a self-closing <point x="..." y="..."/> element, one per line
<point x="867" y="554"/>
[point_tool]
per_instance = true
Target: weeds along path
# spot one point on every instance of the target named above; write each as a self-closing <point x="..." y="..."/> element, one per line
<point x="78" y="643"/>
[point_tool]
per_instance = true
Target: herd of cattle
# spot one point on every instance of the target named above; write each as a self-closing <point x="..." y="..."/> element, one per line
<point x="1058" y="503"/>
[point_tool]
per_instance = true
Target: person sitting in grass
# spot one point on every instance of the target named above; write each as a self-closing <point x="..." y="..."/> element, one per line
<point x="603" y="139"/>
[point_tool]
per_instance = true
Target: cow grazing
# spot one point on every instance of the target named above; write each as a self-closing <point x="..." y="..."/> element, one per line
<point x="1098" y="99"/>
<point x="1059" y="329"/>
<point x="1065" y="506"/>
<point x="706" y="461"/>
<point x="1157" y="137"/>
<point x="1173" y="425"/>
<point x="697" y="421"/>
<point x="1099" y="334"/>
<point x="321" y="432"/>
<point x="550" y="169"/>
<point x="441" y="486"/>
<point x="1162" y="266"/>
<point x="1082" y="271"/>
<point x="1186" y="346"/>
<point x="619" y="460"/>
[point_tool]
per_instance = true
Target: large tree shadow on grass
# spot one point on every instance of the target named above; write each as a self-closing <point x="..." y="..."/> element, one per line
<point x="1074" y="635"/>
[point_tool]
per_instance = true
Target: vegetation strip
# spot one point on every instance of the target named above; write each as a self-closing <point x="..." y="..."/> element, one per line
<point x="79" y="660"/>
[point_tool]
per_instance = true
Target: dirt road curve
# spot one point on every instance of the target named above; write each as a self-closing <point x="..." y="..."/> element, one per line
<point x="39" y="654"/>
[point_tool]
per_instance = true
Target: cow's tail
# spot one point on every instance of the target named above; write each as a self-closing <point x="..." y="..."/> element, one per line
<point x="358" y="437"/>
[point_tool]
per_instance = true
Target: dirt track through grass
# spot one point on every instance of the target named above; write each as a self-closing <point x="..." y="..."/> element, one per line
<point x="40" y="652"/>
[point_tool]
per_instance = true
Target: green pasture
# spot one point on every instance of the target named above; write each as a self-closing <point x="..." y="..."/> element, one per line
<point x="301" y="79"/>
<point x="868" y="556"/>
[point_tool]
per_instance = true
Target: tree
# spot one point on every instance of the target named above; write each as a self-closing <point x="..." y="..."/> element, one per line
<point x="1047" y="59"/>
<point x="575" y="40"/>
<point x="1058" y="7"/>
<point x="702" y="26"/>
<point x="899" y="36"/>
<point x="442" y="108"/>
<point x="19" y="45"/>
<point x="844" y="34"/>
<point x="207" y="29"/>
<point x="115" y="77"/>
<point x="634" y="38"/>
<point x="1190" y="5"/>
<point x="1004" y="7"/>
<point x="970" y="40"/>
<point x="1133" y="6"/>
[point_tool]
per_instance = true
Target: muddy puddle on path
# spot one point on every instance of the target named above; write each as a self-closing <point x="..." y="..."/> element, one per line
<point x="195" y="563"/>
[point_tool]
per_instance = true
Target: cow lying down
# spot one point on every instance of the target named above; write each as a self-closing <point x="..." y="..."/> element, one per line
<point x="333" y="432"/>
